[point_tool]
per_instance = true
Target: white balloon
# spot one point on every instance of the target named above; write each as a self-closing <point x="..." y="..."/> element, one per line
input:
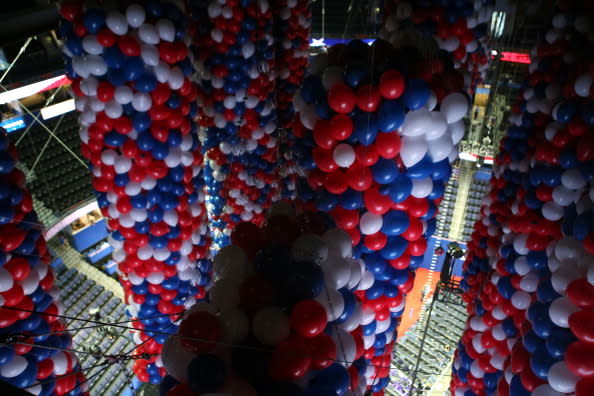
<point x="149" y="54"/>
<point x="156" y="278"/>
<point x="560" y="311"/>
<point x="339" y="242"/>
<point x="116" y="22"/>
<point x="564" y="196"/>
<point x="545" y="390"/>
<point x="346" y="349"/>
<point x="454" y="107"/>
<point x="573" y="179"/>
<point x="224" y="294"/>
<point x="166" y="30"/>
<point x="142" y="101"/>
<point x="456" y="131"/>
<point x="521" y="300"/>
<point x="367" y="280"/>
<point x="583" y="84"/>
<point x="332" y="76"/>
<point x="309" y="247"/>
<point x="438" y="126"/>
<point x="176" y="359"/>
<point x="14" y="366"/>
<point x="236" y="324"/>
<point x="6" y="281"/>
<point x="344" y="155"/>
<point x="231" y="262"/>
<point x="332" y="301"/>
<point x="123" y="94"/>
<point x="413" y="150"/>
<point x="561" y="378"/>
<point x="113" y="109"/>
<point x="148" y="34"/>
<point x="417" y="122"/>
<point x="135" y="15"/>
<point x="91" y="45"/>
<point x="122" y="164"/>
<point x="271" y="326"/>
<point x="551" y="211"/>
<point x="421" y="188"/>
<point x="370" y="223"/>
<point x="337" y="271"/>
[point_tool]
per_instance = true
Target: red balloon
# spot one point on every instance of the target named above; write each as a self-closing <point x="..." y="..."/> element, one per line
<point x="367" y="155"/>
<point x="578" y="357"/>
<point x="581" y="293"/>
<point x="581" y="324"/>
<point x="290" y="360"/>
<point x="345" y="219"/>
<point x="341" y="126"/>
<point x="203" y="330"/>
<point x="418" y="247"/>
<point x="247" y="236"/>
<point x="45" y="368"/>
<point x="377" y="203"/>
<point x="337" y="182"/>
<point x="308" y="318"/>
<point x="18" y="267"/>
<point x="13" y="296"/>
<point x="368" y="98"/>
<point x="323" y="351"/>
<point x="255" y="293"/>
<point x="359" y="177"/>
<point x="391" y="84"/>
<point x="181" y="390"/>
<point x="106" y="37"/>
<point x="376" y="241"/>
<point x="324" y="159"/>
<point x="323" y="135"/>
<point x="341" y="99"/>
<point x="11" y="237"/>
<point x="414" y="230"/>
<point x="388" y="144"/>
<point x="584" y="387"/>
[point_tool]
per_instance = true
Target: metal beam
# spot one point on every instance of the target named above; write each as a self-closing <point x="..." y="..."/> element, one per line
<point x="27" y="23"/>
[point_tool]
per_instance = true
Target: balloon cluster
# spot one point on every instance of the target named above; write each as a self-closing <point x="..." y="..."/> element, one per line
<point x="529" y="278"/>
<point x="282" y="317"/>
<point x="458" y="27"/>
<point x="234" y="44"/>
<point x="379" y="128"/>
<point x="292" y="30"/>
<point x="29" y="301"/>
<point x="131" y="71"/>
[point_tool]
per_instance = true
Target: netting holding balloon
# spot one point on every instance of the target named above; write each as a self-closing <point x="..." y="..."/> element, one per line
<point x="131" y="70"/>
<point x="282" y="317"/>
<point x="33" y="336"/>
<point x="458" y="27"/>
<point x="234" y="45"/>
<point x="378" y="127"/>
<point x="528" y="276"/>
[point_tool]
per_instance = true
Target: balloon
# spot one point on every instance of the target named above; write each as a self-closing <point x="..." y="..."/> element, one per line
<point x="308" y="318"/>
<point x="176" y="358"/>
<point x="454" y="107"/>
<point x="206" y="373"/>
<point x="200" y="332"/>
<point x="271" y="325"/>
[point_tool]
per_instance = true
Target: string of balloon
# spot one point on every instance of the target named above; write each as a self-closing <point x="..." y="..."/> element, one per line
<point x="218" y="343"/>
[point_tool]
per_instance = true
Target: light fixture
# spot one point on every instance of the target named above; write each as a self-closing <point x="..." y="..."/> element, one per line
<point x="32" y="89"/>
<point x="57" y="109"/>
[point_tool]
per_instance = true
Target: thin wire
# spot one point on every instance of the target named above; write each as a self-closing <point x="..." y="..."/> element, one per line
<point x="16" y="58"/>
<point x="74" y="372"/>
<point x="63" y="349"/>
<point x="50" y="132"/>
<point x="92" y="376"/>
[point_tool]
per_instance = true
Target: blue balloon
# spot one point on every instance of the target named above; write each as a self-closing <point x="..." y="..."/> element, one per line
<point x="390" y="115"/>
<point x="206" y="373"/>
<point x="400" y="189"/>
<point x="335" y="377"/>
<point x="6" y="354"/>
<point x="416" y="93"/>
<point x="93" y="20"/>
<point x="395" y="223"/>
<point x="394" y="248"/>
<point x="384" y="171"/>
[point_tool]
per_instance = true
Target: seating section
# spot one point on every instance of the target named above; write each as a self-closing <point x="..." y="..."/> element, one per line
<point x="85" y="299"/>
<point x="446" y="207"/>
<point x="478" y="189"/>
<point x="58" y="180"/>
<point x="445" y="327"/>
